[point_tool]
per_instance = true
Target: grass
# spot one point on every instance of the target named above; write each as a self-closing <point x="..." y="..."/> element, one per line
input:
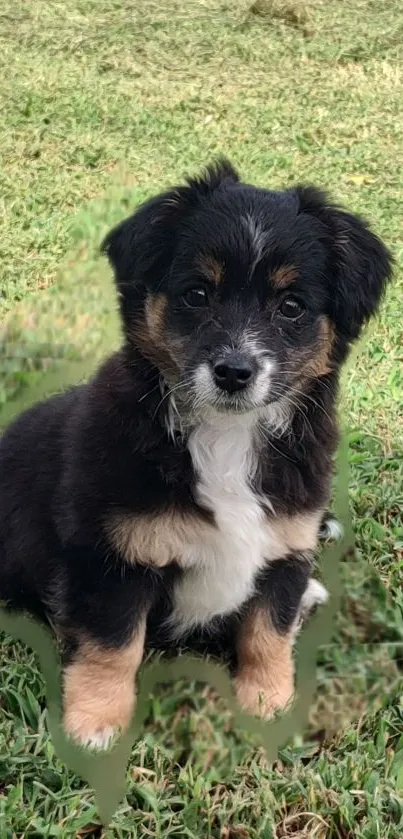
<point x="103" y="104"/>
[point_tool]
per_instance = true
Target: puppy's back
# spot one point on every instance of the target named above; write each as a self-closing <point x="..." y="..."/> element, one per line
<point x="31" y="462"/>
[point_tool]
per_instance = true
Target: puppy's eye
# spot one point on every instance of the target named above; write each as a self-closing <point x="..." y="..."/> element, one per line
<point x="291" y="308"/>
<point x="195" y="298"/>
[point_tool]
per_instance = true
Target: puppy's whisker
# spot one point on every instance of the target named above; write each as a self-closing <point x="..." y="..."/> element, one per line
<point x="149" y="392"/>
<point x="314" y="402"/>
<point x="300" y="409"/>
<point x="271" y="444"/>
<point x="174" y="389"/>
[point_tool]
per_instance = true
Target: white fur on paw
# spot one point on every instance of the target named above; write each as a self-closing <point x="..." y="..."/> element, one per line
<point x="331" y="530"/>
<point x="100" y="739"/>
<point x="314" y="595"/>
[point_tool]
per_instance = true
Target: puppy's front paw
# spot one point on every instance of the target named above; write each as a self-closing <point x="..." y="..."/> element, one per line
<point x="315" y="595"/>
<point x="99" y="693"/>
<point x="331" y="530"/>
<point x="98" y="728"/>
<point x="95" y="739"/>
<point x="95" y="722"/>
<point x="263" y="700"/>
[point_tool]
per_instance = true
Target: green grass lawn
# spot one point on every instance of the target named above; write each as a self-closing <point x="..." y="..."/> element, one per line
<point x="104" y="102"/>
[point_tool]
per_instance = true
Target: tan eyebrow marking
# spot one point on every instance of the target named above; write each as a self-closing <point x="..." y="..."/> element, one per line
<point x="211" y="267"/>
<point x="284" y="276"/>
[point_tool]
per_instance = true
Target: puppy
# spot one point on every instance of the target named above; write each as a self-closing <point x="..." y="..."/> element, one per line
<point x="176" y="499"/>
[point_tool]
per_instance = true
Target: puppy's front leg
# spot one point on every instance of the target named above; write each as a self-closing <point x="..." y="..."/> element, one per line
<point x="264" y="681"/>
<point x="102" y="611"/>
<point x="99" y="688"/>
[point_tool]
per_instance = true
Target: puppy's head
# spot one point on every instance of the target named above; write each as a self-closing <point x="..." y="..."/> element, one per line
<point x="241" y="295"/>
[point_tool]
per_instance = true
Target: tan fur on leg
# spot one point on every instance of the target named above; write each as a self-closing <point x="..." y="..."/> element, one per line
<point x="99" y="690"/>
<point x="264" y="682"/>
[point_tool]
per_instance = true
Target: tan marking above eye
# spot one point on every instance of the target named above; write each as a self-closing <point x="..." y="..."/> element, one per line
<point x="212" y="269"/>
<point x="284" y="276"/>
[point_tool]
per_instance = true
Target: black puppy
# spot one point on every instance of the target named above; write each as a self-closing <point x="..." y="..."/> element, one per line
<point x="177" y="497"/>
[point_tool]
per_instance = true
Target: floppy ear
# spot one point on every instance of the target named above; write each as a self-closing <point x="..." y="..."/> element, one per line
<point x="362" y="264"/>
<point x="141" y="248"/>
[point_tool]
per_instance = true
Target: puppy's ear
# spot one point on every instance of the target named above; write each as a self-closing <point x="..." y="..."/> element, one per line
<point x="141" y="248"/>
<point x="216" y="175"/>
<point x="361" y="264"/>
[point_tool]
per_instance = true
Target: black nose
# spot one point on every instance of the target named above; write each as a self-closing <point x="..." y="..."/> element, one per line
<point x="232" y="373"/>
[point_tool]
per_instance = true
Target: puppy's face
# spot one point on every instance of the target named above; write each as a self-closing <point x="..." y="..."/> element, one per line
<point x="242" y="314"/>
<point x="241" y="296"/>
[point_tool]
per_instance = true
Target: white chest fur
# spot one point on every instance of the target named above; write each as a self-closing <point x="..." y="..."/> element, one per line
<point x="222" y="566"/>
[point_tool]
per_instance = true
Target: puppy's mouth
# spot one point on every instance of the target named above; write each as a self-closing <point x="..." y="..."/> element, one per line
<point x="224" y="404"/>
